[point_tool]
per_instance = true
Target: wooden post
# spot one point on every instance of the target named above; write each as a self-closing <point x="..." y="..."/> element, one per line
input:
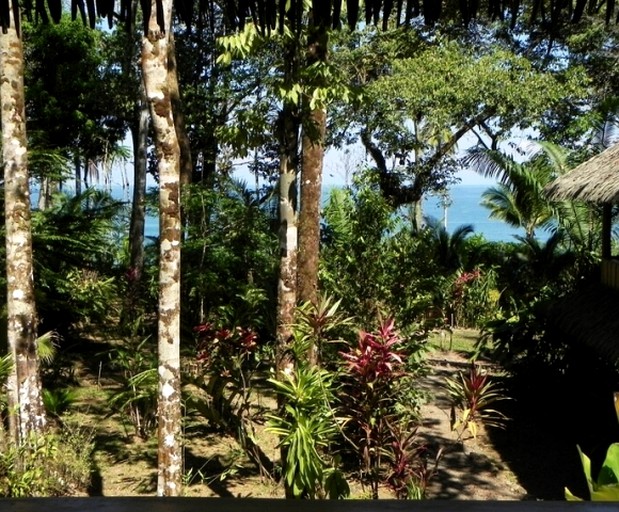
<point x="606" y="229"/>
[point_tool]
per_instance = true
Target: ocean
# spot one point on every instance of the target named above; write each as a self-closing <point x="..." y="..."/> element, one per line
<point x="464" y="208"/>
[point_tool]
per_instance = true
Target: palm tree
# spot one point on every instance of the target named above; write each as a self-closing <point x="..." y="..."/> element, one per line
<point x="448" y="248"/>
<point x="519" y="198"/>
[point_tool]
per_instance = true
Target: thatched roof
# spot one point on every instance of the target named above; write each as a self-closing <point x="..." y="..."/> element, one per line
<point x="589" y="316"/>
<point x="596" y="180"/>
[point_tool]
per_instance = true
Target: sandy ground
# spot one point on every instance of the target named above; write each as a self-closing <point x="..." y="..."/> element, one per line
<point x="471" y="469"/>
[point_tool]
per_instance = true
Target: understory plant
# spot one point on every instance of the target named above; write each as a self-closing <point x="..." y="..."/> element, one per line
<point x="136" y="396"/>
<point x="375" y="383"/>
<point x="306" y="423"/>
<point x="307" y="428"/>
<point x="472" y="394"/>
<point x="606" y="486"/>
<point x="55" y="463"/>
<point x="220" y="385"/>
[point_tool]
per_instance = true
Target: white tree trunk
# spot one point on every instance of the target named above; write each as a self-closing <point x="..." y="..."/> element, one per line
<point x="155" y="48"/>
<point x="24" y="393"/>
<point x="288" y="238"/>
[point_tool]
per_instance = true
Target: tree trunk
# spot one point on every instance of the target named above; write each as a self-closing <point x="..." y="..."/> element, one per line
<point x="314" y="131"/>
<point x="24" y="383"/>
<point x="186" y="166"/>
<point x="287" y="283"/>
<point x="78" y="174"/>
<point x="138" y="206"/>
<point x="309" y="212"/>
<point x="155" y="52"/>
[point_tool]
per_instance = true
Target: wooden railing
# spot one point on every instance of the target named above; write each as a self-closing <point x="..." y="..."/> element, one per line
<point x="610" y="273"/>
<point x="152" y="504"/>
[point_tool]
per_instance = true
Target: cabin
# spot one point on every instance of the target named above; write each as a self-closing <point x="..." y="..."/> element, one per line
<point x="595" y="181"/>
<point x="590" y="314"/>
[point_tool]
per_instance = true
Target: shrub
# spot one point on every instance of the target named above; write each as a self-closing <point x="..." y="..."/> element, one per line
<point x="50" y="464"/>
<point x="471" y="396"/>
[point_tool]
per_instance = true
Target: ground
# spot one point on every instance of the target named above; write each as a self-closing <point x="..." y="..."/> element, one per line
<point x="493" y="466"/>
<point x="470" y="468"/>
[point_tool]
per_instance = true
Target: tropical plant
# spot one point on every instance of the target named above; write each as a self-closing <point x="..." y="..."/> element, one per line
<point x="518" y="199"/>
<point x="57" y="401"/>
<point x="374" y="384"/>
<point x="409" y="470"/>
<point x="606" y="486"/>
<point x="75" y="259"/>
<point x="317" y="326"/>
<point x="49" y="464"/>
<point x="472" y="394"/>
<point x="136" y="397"/>
<point x="220" y="276"/>
<point x="219" y="386"/>
<point x="307" y="428"/>
<point x="448" y="248"/>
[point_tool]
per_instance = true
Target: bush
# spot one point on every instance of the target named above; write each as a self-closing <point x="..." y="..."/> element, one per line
<point x="50" y="464"/>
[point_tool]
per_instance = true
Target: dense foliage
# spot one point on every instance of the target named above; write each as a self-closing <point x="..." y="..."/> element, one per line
<point x="348" y="403"/>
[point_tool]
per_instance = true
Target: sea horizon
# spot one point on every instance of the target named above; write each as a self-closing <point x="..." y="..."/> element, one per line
<point x="463" y="207"/>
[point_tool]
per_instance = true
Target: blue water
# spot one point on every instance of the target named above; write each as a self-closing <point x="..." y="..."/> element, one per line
<point x="465" y="208"/>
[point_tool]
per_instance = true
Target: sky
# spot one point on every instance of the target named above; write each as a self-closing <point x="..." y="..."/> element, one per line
<point x="339" y="166"/>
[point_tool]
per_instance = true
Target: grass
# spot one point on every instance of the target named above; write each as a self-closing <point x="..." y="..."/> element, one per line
<point x="459" y="340"/>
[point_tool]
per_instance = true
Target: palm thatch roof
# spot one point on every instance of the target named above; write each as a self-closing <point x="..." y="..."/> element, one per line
<point x="595" y="181"/>
<point x="589" y="316"/>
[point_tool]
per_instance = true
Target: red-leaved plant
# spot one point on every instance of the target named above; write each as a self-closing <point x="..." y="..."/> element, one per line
<point x="409" y="471"/>
<point x="471" y="396"/>
<point x="376" y="357"/>
<point x="220" y="389"/>
<point x="375" y="371"/>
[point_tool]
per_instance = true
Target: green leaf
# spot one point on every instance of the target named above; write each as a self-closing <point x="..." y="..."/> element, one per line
<point x="586" y="467"/>
<point x="609" y="474"/>
<point x="606" y="493"/>
<point x="570" y="497"/>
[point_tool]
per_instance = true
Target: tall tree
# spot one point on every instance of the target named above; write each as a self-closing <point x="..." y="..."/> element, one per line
<point x="155" y="67"/>
<point x="313" y="142"/>
<point x="420" y="98"/>
<point x="24" y="383"/>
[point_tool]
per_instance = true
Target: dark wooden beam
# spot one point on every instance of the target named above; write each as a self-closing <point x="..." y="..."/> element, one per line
<point x="606" y="230"/>
<point x="153" y="504"/>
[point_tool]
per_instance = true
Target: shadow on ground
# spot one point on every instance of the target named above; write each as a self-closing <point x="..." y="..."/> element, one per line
<point x="549" y="418"/>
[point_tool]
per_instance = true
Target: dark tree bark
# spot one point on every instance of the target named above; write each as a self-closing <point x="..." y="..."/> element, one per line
<point x="314" y="131"/>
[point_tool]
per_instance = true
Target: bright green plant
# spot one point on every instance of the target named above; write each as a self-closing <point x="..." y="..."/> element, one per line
<point x="606" y="486"/>
<point x="306" y="423"/>
<point x="58" y="400"/>
<point x="472" y="395"/>
<point x="307" y="428"/>
<point x="136" y="397"/>
<point x="50" y="464"/>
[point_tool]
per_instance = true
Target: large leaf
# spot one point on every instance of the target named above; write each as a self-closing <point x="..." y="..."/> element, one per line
<point x="609" y="474"/>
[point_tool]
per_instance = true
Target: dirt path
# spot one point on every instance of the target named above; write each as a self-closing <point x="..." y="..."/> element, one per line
<point x="469" y="470"/>
<point x="127" y="466"/>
